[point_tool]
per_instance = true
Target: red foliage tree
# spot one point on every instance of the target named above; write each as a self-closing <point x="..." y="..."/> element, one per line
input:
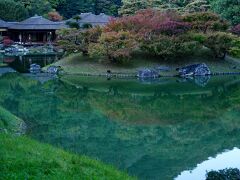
<point x="7" y="41"/>
<point x="54" y="16"/>
<point x="149" y="21"/>
<point x="236" y="30"/>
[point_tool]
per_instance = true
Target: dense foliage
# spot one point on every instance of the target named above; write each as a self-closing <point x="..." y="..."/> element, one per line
<point x="12" y="11"/>
<point x="228" y="9"/>
<point x="72" y="7"/>
<point x="166" y="35"/>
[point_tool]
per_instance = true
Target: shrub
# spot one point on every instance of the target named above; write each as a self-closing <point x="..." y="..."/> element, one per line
<point x="235" y="49"/>
<point x="70" y="40"/>
<point x="73" y="24"/>
<point x="87" y="26"/>
<point x="96" y="50"/>
<point x="170" y="47"/>
<point x="118" y="46"/>
<point x="7" y="41"/>
<point x="220" y="43"/>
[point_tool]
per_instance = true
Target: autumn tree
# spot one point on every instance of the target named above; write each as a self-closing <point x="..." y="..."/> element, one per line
<point x="54" y="16"/>
<point x="116" y="46"/>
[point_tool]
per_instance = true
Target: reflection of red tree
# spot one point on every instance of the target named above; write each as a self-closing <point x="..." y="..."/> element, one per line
<point x="7" y="41"/>
<point x="8" y="60"/>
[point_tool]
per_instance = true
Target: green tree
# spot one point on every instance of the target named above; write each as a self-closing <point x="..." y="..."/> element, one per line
<point x="39" y="7"/>
<point x="228" y="9"/>
<point x="205" y="21"/>
<point x="130" y="7"/>
<point x="197" y="6"/>
<point x="220" y="43"/>
<point x="115" y="46"/>
<point x="56" y="3"/>
<point x="12" y="11"/>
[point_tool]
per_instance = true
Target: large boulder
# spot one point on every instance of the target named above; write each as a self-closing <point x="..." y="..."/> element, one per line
<point x="148" y="73"/>
<point x="35" y="68"/>
<point x="194" y="70"/>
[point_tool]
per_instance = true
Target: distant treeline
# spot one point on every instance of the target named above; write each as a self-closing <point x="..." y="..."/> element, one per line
<point x="19" y="9"/>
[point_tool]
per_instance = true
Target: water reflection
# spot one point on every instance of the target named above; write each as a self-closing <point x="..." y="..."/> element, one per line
<point x="153" y="131"/>
<point x="22" y="63"/>
<point x="198" y="80"/>
<point x="229" y="159"/>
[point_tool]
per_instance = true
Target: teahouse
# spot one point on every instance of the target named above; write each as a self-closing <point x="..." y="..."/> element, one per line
<point x="3" y="28"/>
<point x="34" y="29"/>
<point x="39" y="30"/>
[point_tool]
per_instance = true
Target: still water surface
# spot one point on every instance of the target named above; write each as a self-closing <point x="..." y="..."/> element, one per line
<point x="153" y="130"/>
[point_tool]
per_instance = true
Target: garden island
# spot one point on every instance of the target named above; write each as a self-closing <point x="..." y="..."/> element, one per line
<point x="120" y="89"/>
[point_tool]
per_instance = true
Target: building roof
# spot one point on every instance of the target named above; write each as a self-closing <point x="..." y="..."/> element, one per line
<point x="36" y="23"/>
<point x="3" y="24"/>
<point x="90" y="18"/>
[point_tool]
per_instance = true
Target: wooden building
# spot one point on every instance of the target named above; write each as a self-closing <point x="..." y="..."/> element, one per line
<point x="3" y="28"/>
<point x="35" y="29"/>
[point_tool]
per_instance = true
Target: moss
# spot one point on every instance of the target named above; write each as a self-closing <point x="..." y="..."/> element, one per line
<point x="23" y="158"/>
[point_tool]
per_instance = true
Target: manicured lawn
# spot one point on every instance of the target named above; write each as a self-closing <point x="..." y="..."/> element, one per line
<point x="9" y="122"/>
<point x="77" y="64"/>
<point x="23" y="158"/>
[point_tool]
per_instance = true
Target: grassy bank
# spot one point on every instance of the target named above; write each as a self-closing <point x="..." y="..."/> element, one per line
<point x="23" y="158"/>
<point x="10" y="123"/>
<point x="77" y="64"/>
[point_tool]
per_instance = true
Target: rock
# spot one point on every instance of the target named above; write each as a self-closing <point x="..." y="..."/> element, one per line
<point x="35" y="68"/>
<point x="202" y="80"/>
<point x="194" y="70"/>
<point x="53" y="69"/>
<point x="147" y="73"/>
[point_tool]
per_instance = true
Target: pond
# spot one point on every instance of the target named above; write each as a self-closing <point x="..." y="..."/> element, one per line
<point x="22" y="63"/>
<point x="158" y="130"/>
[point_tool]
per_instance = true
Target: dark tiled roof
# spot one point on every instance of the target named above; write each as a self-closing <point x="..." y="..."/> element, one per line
<point x="37" y="23"/>
<point x="90" y="18"/>
<point x="3" y="24"/>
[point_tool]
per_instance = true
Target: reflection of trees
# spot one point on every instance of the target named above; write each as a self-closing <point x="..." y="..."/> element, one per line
<point x="153" y="133"/>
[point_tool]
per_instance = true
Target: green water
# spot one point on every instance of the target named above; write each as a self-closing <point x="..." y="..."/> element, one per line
<point x="152" y="130"/>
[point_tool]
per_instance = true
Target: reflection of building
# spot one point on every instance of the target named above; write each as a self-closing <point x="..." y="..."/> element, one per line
<point x="32" y="30"/>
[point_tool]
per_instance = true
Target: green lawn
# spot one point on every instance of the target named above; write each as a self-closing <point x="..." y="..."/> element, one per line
<point x="23" y="158"/>
<point x="77" y="64"/>
<point x="10" y="123"/>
